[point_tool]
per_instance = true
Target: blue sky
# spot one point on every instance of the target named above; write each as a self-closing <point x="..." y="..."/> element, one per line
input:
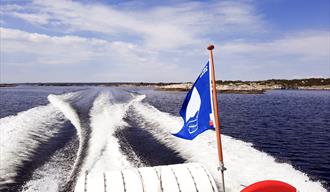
<point x="153" y="41"/>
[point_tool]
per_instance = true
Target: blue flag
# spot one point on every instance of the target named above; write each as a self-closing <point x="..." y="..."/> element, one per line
<point x="197" y="110"/>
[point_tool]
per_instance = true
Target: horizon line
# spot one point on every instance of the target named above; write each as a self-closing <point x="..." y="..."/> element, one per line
<point x="149" y="82"/>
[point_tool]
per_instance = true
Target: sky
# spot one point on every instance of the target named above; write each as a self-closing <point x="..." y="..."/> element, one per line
<point x="162" y="41"/>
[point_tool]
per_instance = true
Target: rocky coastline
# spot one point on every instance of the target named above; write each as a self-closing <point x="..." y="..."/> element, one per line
<point x="233" y="87"/>
<point x="256" y="87"/>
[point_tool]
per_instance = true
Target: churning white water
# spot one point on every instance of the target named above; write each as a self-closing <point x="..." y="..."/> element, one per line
<point x="96" y="115"/>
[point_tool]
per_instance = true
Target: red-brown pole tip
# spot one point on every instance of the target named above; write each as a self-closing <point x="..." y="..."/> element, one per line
<point x="210" y="47"/>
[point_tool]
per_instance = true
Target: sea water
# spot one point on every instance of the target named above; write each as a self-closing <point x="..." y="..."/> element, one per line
<point x="51" y="135"/>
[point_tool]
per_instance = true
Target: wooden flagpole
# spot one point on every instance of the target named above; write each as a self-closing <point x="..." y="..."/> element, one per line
<point x="216" y="116"/>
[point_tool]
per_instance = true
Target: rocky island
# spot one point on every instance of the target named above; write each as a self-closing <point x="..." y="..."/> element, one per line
<point x="241" y="87"/>
<point x="257" y="87"/>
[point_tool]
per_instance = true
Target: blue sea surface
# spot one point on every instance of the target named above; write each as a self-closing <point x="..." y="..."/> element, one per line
<point x="21" y="98"/>
<point x="291" y="125"/>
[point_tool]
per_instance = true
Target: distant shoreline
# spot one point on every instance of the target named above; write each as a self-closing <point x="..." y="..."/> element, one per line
<point x="252" y="91"/>
<point x="257" y="87"/>
<point x="240" y="87"/>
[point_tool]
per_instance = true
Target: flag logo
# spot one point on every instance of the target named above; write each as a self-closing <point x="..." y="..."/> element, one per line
<point x="197" y="110"/>
<point x="193" y="111"/>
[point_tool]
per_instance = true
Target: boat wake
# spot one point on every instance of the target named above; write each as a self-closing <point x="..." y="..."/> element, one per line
<point x="245" y="165"/>
<point x="106" y="129"/>
<point x="23" y="138"/>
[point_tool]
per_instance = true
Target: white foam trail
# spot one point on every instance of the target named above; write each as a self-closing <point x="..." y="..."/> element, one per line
<point x="61" y="102"/>
<point x="22" y="134"/>
<point x="65" y="103"/>
<point x="245" y="164"/>
<point x="49" y="180"/>
<point x="103" y="149"/>
<point x="53" y="174"/>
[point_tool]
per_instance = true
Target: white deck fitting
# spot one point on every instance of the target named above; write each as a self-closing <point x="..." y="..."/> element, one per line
<point x="190" y="177"/>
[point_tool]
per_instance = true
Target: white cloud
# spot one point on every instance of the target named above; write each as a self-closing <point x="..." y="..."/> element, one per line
<point x="160" y="43"/>
<point x="124" y="61"/>
<point x="49" y="49"/>
<point x="35" y="51"/>
<point x="306" y="45"/>
<point x="301" y="54"/>
<point x="161" y="28"/>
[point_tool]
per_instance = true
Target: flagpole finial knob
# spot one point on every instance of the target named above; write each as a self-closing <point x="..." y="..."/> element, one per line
<point x="210" y="47"/>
